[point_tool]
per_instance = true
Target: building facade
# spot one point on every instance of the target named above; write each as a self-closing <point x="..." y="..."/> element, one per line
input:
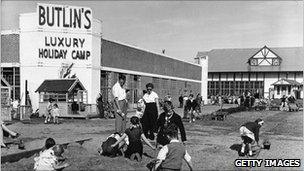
<point x="272" y="72"/>
<point x="50" y="48"/>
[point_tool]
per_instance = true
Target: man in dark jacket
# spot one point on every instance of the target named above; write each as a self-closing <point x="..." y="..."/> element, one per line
<point x="164" y="120"/>
<point x="250" y="134"/>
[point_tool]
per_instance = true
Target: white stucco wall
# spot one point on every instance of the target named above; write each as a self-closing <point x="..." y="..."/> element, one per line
<point x="35" y="70"/>
<point x="204" y="79"/>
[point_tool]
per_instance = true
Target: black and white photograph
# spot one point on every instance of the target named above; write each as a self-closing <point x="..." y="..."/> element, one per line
<point x="152" y="85"/>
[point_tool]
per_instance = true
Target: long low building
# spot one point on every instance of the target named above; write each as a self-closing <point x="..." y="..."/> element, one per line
<point x="272" y="72"/>
<point x="41" y="50"/>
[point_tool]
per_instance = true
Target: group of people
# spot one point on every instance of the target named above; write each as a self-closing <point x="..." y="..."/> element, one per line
<point x="286" y="102"/>
<point x="52" y="112"/>
<point x="247" y="99"/>
<point x="146" y="124"/>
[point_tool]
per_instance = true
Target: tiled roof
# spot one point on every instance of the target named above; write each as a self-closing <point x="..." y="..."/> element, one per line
<point x="235" y="60"/>
<point x="59" y="85"/>
<point x="10" y="48"/>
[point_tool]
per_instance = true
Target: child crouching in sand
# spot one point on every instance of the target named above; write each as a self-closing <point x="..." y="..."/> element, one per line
<point x="50" y="157"/>
<point x="134" y="150"/>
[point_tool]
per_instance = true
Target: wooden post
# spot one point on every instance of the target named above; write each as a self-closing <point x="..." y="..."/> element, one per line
<point x="25" y="92"/>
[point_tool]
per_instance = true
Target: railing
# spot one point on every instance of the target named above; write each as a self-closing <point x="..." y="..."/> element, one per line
<point x="25" y="112"/>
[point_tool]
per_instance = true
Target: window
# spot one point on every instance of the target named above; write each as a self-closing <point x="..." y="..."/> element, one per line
<point x="278" y="90"/>
<point x="276" y="62"/>
<point x="253" y="62"/>
<point x="234" y="88"/>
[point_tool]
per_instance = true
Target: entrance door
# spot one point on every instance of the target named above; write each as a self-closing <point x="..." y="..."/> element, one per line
<point x="297" y="94"/>
<point x="284" y="90"/>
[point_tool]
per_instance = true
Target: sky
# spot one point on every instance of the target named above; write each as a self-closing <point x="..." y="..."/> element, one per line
<point x="183" y="28"/>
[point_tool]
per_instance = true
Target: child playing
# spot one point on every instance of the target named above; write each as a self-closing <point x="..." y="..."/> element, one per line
<point x="44" y="159"/>
<point x="250" y="134"/>
<point x="48" y="114"/>
<point x="106" y="148"/>
<point x="58" y="151"/>
<point x="171" y="156"/>
<point x="135" y="134"/>
<point x="55" y="113"/>
<point x="140" y="108"/>
<point x="47" y="159"/>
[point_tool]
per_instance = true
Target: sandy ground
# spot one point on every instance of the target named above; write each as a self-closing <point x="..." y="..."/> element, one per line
<point x="210" y="143"/>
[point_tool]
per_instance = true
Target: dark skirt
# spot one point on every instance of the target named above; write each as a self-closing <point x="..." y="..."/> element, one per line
<point x="149" y="118"/>
<point x="134" y="147"/>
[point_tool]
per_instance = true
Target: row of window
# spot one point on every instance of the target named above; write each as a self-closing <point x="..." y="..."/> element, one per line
<point x="234" y="87"/>
<point x="283" y="89"/>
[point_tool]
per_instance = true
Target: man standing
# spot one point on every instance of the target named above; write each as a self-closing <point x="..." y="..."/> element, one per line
<point x="120" y="104"/>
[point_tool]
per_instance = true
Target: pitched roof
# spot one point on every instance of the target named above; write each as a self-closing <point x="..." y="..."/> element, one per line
<point x="235" y="60"/>
<point x="60" y="85"/>
<point x="286" y="82"/>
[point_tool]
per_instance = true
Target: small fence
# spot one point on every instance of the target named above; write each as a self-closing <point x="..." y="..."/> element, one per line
<point x="25" y="112"/>
<point x="22" y="113"/>
<point x="91" y="109"/>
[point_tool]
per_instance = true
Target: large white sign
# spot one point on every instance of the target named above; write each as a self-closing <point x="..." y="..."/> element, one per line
<point x="54" y="48"/>
<point x="63" y="17"/>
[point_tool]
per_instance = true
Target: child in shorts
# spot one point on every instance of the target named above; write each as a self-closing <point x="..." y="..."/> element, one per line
<point x="134" y="150"/>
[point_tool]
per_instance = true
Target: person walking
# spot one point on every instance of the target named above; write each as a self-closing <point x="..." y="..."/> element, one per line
<point x="120" y="104"/>
<point x="150" y="115"/>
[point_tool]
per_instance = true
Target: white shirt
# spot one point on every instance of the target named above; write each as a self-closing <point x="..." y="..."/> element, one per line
<point x="56" y="112"/>
<point x="15" y="104"/>
<point x="164" y="151"/>
<point x="45" y="161"/>
<point x="150" y="98"/>
<point x="119" y="92"/>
